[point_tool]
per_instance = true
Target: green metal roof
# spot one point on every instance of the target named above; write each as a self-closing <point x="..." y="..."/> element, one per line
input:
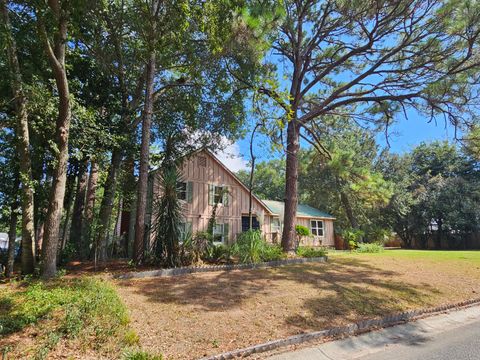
<point x="277" y="207"/>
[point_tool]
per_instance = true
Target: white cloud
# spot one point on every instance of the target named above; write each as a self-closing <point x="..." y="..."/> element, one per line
<point x="232" y="157"/>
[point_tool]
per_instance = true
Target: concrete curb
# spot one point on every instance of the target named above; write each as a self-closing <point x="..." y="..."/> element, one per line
<point x="214" y="268"/>
<point x="352" y="329"/>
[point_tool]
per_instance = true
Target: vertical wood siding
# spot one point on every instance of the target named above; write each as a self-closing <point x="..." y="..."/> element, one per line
<point x="199" y="210"/>
<point x="328" y="238"/>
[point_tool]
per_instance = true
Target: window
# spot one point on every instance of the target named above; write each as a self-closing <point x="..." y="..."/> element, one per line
<point x="316" y="226"/>
<point x="185" y="191"/>
<point x="275" y="226"/>
<point x="182" y="190"/>
<point x="220" y="233"/>
<point x="218" y="195"/>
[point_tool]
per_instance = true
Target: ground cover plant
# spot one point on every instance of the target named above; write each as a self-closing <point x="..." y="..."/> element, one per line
<point x="309" y="252"/>
<point x="175" y="316"/>
<point x="63" y="317"/>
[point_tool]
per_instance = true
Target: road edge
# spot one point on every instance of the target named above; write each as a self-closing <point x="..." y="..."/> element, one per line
<point x="349" y="330"/>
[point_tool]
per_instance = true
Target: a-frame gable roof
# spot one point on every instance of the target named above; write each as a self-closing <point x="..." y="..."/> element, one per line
<point x="235" y="177"/>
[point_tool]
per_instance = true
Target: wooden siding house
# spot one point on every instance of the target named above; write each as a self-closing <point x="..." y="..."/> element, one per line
<point x="206" y="181"/>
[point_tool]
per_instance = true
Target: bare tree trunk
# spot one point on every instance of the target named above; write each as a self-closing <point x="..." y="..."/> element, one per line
<point x="252" y="171"/>
<point x="90" y="204"/>
<point x="106" y="207"/>
<point x="78" y="208"/>
<point x="56" y="56"/>
<point x="291" y="187"/>
<point x="69" y="196"/>
<point x="12" y="232"/>
<point x="23" y="144"/>
<point x="144" y="161"/>
<point x="348" y="210"/>
<point x="128" y="202"/>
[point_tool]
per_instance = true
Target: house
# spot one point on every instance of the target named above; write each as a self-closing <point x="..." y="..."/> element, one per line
<point x="3" y="241"/>
<point x="206" y="181"/>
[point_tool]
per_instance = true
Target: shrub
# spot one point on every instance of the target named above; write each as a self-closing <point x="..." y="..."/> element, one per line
<point x="194" y="248"/>
<point x="352" y="237"/>
<point x="86" y="309"/>
<point x="369" y="248"/>
<point x="252" y="248"/>
<point x="308" y="252"/>
<point x="272" y="253"/>
<point x="249" y="246"/>
<point x="302" y="230"/>
<point x="217" y="253"/>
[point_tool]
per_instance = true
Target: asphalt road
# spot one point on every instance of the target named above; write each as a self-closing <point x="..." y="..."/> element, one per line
<point x="459" y="344"/>
<point x="450" y="336"/>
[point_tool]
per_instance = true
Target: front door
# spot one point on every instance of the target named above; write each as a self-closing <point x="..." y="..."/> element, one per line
<point x="246" y="223"/>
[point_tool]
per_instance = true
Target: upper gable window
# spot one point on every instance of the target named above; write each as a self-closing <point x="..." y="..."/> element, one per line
<point x="182" y="190"/>
<point x="218" y="195"/>
<point x="202" y="161"/>
<point x="185" y="191"/>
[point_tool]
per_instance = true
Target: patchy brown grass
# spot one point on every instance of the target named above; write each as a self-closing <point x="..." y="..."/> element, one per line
<point x="202" y="314"/>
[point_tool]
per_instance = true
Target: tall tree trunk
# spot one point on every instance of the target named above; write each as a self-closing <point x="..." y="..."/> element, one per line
<point x="89" y="211"/>
<point x="144" y="161"/>
<point x="348" y="209"/>
<point x="291" y="186"/>
<point x="78" y="208"/>
<point x="69" y="197"/>
<point x="439" y="235"/>
<point x="23" y="148"/>
<point x="56" y="56"/>
<point x="128" y="202"/>
<point x="252" y="172"/>
<point x="106" y="207"/>
<point x="12" y="232"/>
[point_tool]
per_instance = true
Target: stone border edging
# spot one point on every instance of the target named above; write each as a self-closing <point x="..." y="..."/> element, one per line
<point x="215" y="268"/>
<point x="355" y="328"/>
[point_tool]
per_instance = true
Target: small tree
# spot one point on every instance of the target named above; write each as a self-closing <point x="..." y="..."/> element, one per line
<point x="169" y="217"/>
<point x="301" y="231"/>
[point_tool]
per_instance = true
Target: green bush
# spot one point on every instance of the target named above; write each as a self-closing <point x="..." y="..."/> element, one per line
<point x="308" y="252"/>
<point x="194" y="248"/>
<point x="272" y="253"/>
<point x="352" y="237"/>
<point x="249" y="247"/>
<point x="86" y="309"/>
<point x="302" y="230"/>
<point x="369" y="248"/>
<point x="217" y="253"/>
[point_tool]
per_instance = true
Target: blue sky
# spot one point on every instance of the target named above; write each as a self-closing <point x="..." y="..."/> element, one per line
<point x="404" y="135"/>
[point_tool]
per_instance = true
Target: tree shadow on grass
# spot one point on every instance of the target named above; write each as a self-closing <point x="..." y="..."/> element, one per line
<point x="338" y="292"/>
<point x="356" y="290"/>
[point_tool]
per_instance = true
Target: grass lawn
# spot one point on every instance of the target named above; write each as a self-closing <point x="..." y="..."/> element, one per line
<point x="201" y="314"/>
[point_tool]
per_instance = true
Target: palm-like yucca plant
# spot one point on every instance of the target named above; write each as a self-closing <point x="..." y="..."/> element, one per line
<point x="169" y="217"/>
